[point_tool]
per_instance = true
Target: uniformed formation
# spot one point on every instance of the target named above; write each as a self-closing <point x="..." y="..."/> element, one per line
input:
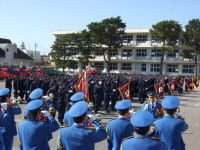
<point x="157" y="126"/>
<point x="103" y="89"/>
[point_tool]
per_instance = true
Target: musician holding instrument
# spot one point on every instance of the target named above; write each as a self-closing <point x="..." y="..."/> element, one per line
<point x="13" y="109"/>
<point x="34" y="134"/>
<point x="119" y="128"/>
<point x="171" y="126"/>
<point x="77" y="136"/>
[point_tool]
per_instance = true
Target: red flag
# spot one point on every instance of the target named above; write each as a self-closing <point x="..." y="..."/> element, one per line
<point x="82" y="85"/>
<point x="125" y="91"/>
<point x="196" y="83"/>
<point x="190" y="84"/>
<point x="160" y="89"/>
<point x="171" y="86"/>
<point x="180" y="81"/>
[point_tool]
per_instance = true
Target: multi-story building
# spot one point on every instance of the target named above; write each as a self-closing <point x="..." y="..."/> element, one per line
<point x="141" y="53"/>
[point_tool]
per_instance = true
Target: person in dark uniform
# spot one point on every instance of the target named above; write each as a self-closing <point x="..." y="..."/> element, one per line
<point x="97" y="95"/>
<point x="142" y="93"/>
<point x="70" y="92"/>
<point x="54" y="92"/>
<point x="45" y="85"/>
<point x="21" y="87"/>
<point x="61" y="105"/>
<point x="9" y="84"/>
<point x="114" y="93"/>
<point x="39" y="83"/>
<point x="107" y="95"/>
<point x="91" y="91"/>
<point x="15" y="85"/>
<point x="33" y="85"/>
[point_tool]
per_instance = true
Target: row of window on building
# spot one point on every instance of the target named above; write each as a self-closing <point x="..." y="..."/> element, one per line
<point x="171" y="68"/>
<point x="140" y="53"/>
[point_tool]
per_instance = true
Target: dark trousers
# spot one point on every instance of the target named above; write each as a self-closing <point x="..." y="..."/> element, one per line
<point x="114" y="98"/>
<point x="106" y="100"/>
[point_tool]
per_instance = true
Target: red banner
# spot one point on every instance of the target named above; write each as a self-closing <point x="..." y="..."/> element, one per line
<point x="125" y="91"/>
<point x="160" y="89"/>
<point x="180" y="81"/>
<point x="196" y="83"/>
<point x="190" y="84"/>
<point x="82" y="85"/>
<point x="171" y="86"/>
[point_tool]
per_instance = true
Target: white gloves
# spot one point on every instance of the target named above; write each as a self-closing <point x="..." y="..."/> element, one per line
<point x="150" y="131"/>
<point x="13" y="100"/>
<point x="70" y="91"/>
<point x="4" y="106"/>
<point x="176" y="115"/>
<point x="46" y="98"/>
<point x="45" y="113"/>
<point x="146" y="107"/>
<point x="92" y="117"/>
<point x="131" y="112"/>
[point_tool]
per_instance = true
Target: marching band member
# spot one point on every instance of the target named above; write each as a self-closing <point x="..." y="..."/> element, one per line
<point x="35" y="94"/>
<point x="141" y="122"/>
<point x="153" y="106"/>
<point x="13" y="109"/>
<point x="121" y="127"/>
<point x="34" y="134"/>
<point x="79" y="137"/>
<point x="68" y="120"/>
<point x="171" y="126"/>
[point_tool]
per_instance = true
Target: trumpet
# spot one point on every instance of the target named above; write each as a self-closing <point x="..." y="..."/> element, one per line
<point x="51" y="96"/>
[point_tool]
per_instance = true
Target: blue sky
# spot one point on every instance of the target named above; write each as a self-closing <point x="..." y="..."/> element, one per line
<point x="33" y="21"/>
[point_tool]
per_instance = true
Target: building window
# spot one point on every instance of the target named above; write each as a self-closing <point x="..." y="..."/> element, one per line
<point x="141" y="38"/>
<point x="127" y="38"/>
<point x="126" y="66"/>
<point x="141" y="52"/>
<point x="99" y="66"/>
<point x="127" y="52"/>
<point x="97" y="53"/>
<point x="143" y="67"/>
<point x="113" y="53"/>
<point x="188" y="68"/>
<point x="156" y="53"/>
<point x="74" y="52"/>
<point x="155" y="67"/>
<point x="189" y="53"/>
<point x="173" y="54"/>
<point x="113" y="66"/>
<point x="172" y="68"/>
<point x="154" y="39"/>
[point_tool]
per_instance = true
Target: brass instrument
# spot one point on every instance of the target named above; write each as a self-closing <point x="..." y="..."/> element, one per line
<point x="51" y="96"/>
<point x="91" y="105"/>
<point x="52" y="111"/>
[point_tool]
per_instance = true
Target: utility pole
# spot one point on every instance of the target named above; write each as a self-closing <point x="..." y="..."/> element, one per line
<point x="35" y="53"/>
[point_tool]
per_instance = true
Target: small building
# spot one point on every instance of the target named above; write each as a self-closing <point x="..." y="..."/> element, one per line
<point x="10" y="55"/>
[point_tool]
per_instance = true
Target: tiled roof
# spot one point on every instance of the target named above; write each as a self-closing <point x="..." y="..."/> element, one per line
<point x="21" y="55"/>
<point x="2" y="53"/>
<point x="5" y="41"/>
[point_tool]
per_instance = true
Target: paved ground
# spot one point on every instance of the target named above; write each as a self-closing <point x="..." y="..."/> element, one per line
<point x="190" y="110"/>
